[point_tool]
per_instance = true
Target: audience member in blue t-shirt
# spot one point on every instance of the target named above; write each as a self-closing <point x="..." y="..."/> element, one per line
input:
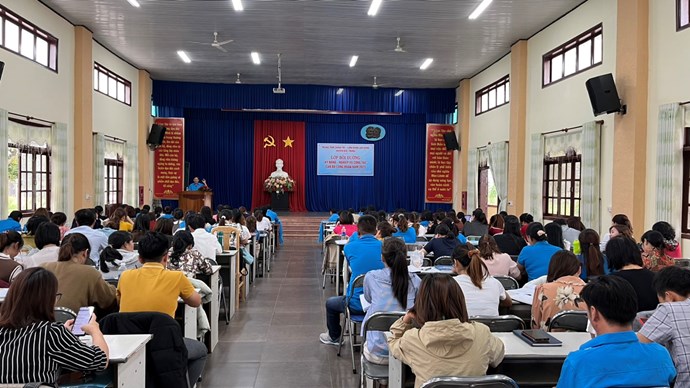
<point x="363" y="255"/>
<point x="12" y="222"/>
<point x="615" y="358"/>
<point x="404" y="230"/>
<point x="592" y="261"/>
<point x="442" y="244"/>
<point x="534" y="259"/>
<point x="334" y="216"/>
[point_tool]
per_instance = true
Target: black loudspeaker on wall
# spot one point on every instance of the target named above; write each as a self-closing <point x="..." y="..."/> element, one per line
<point x="603" y="95"/>
<point x="2" y="68"/>
<point x="156" y="136"/>
<point x="451" y="141"/>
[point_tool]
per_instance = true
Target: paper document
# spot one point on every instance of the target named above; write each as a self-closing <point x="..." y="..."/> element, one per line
<point x="523" y="295"/>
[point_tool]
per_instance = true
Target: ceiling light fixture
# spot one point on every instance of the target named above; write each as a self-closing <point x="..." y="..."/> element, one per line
<point x="399" y="93"/>
<point x="134" y="3"/>
<point x="255" y="58"/>
<point x="237" y="4"/>
<point x="353" y="60"/>
<point x="184" y="57"/>
<point x="426" y="63"/>
<point x="340" y="91"/>
<point x="374" y="7"/>
<point x="480" y="8"/>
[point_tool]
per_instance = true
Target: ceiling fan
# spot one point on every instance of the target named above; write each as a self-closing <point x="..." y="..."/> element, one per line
<point x="398" y="48"/>
<point x="375" y="85"/>
<point x="216" y="43"/>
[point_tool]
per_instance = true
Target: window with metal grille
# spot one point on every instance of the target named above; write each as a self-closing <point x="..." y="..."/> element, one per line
<point x="113" y="176"/>
<point x="111" y="84"/>
<point x="574" y="56"/>
<point x="682" y="14"/>
<point x="29" y="178"/>
<point x="561" y="191"/>
<point x="24" y="38"/>
<point x="492" y="96"/>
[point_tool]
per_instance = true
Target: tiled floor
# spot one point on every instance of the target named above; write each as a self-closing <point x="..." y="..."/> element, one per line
<point x="272" y="341"/>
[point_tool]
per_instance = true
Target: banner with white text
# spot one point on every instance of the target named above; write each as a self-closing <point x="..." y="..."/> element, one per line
<point x="345" y="159"/>
<point x="439" y="165"/>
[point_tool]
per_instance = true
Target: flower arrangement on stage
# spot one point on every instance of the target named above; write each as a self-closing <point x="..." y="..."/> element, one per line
<point x="279" y="185"/>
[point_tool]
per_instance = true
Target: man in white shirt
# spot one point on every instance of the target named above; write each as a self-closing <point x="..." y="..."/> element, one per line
<point x="86" y="219"/>
<point x="204" y="242"/>
<point x="263" y="223"/>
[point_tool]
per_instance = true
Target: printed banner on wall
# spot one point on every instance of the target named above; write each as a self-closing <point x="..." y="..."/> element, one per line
<point x="345" y="159"/>
<point x="439" y="165"/>
<point x="168" y="160"/>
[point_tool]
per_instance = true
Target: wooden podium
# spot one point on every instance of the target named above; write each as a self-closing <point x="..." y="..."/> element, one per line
<point x="195" y="200"/>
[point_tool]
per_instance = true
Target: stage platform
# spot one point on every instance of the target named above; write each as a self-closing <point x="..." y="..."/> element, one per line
<point x="302" y="226"/>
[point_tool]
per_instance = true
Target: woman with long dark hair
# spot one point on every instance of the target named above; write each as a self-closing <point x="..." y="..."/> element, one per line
<point x="625" y="260"/>
<point x="478" y="226"/>
<point x="554" y="234"/>
<point x="483" y="293"/>
<point x="593" y="261"/>
<point x="392" y="288"/>
<point x="33" y="347"/>
<point x="560" y="292"/>
<point x="142" y="225"/>
<point x="510" y="241"/>
<point x="404" y="230"/>
<point x="497" y="262"/>
<point x="186" y="259"/>
<point x="437" y="339"/>
<point x="80" y="284"/>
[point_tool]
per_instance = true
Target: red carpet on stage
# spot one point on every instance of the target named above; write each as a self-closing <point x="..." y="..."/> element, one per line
<point x="279" y="140"/>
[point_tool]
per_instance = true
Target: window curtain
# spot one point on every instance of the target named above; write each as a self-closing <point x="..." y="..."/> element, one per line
<point x="131" y="194"/>
<point x="590" y="174"/>
<point x="669" y="164"/>
<point x="498" y="161"/>
<point x="537" y="175"/>
<point x="563" y="143"/>
<point x="21" y="134"/>
<point x="98" y="169"/>
<point x="4" y="195"/>
<point x="114" y="149"/>
<point x="472" y="165"/>
<point x="59" y="167"/>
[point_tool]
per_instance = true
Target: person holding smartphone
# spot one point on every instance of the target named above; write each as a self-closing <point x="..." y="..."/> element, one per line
<point x="33" y="347"/>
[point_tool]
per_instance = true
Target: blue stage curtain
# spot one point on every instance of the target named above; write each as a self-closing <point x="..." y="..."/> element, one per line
<point x="221" y="151"/>
<point x="353" y="99"/>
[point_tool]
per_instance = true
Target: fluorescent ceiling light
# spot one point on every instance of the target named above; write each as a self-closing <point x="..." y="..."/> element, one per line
<point x="480" y="8"/>
<point x="255" y="58"/>
<point x="374" y="7"/>
<point x="183" y="56"/>
<point x="399" y="92"/>
<point x="134" y="3"/>
<point x="237" y="4"/>
<point x="353" y="60"/>
<point x="340" y="91"/>
<point x="426" y="63"/>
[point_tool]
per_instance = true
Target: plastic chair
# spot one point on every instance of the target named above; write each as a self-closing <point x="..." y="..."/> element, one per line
<point x="490" y="381"/>
<point x="351" y="321"/>
<point x="63" y="314"/>
<point x="683" y="263"/>
<point x="508" y="282"/>
<point x="240" y="283"/>
<point x="569" y="320"/>
<point x="444" y="260"/>
<point x="380" y="321"/>
<point x="501" y="323"/>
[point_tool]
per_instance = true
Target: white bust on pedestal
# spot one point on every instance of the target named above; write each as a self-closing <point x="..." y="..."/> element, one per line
<point x="279" y="173"/>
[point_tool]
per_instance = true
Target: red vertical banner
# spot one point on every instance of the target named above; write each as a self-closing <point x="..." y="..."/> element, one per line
<point x="439" y="165"/>
<point x="168" y="160"/>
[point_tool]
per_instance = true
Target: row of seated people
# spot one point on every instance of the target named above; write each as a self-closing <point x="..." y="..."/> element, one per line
<point x="557" y="272"/>
<point x="34" y="348"/>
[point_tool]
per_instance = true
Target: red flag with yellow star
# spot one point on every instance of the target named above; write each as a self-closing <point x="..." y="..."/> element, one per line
<point x="279" y="140"/>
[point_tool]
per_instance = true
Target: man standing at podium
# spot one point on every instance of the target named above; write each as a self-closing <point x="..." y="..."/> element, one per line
<point x="196" y="185"/>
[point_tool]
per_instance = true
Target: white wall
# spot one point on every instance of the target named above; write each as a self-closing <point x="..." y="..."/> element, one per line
<point x="110" y="116"/>
<point x="494" y="125"/>
<point x="30" y="89"/>
<point x="566" y="103"/>
<point x="669" y="61"/>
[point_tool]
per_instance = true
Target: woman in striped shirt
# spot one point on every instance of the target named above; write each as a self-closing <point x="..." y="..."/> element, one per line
<point x="33" y="347"/>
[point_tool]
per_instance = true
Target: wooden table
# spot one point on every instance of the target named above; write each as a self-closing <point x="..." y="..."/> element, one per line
<point x="128" y="357"/>
<point x="523" y="363"/>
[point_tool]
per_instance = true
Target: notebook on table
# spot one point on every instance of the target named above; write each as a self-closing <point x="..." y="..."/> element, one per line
<point x="537" y="338"/>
